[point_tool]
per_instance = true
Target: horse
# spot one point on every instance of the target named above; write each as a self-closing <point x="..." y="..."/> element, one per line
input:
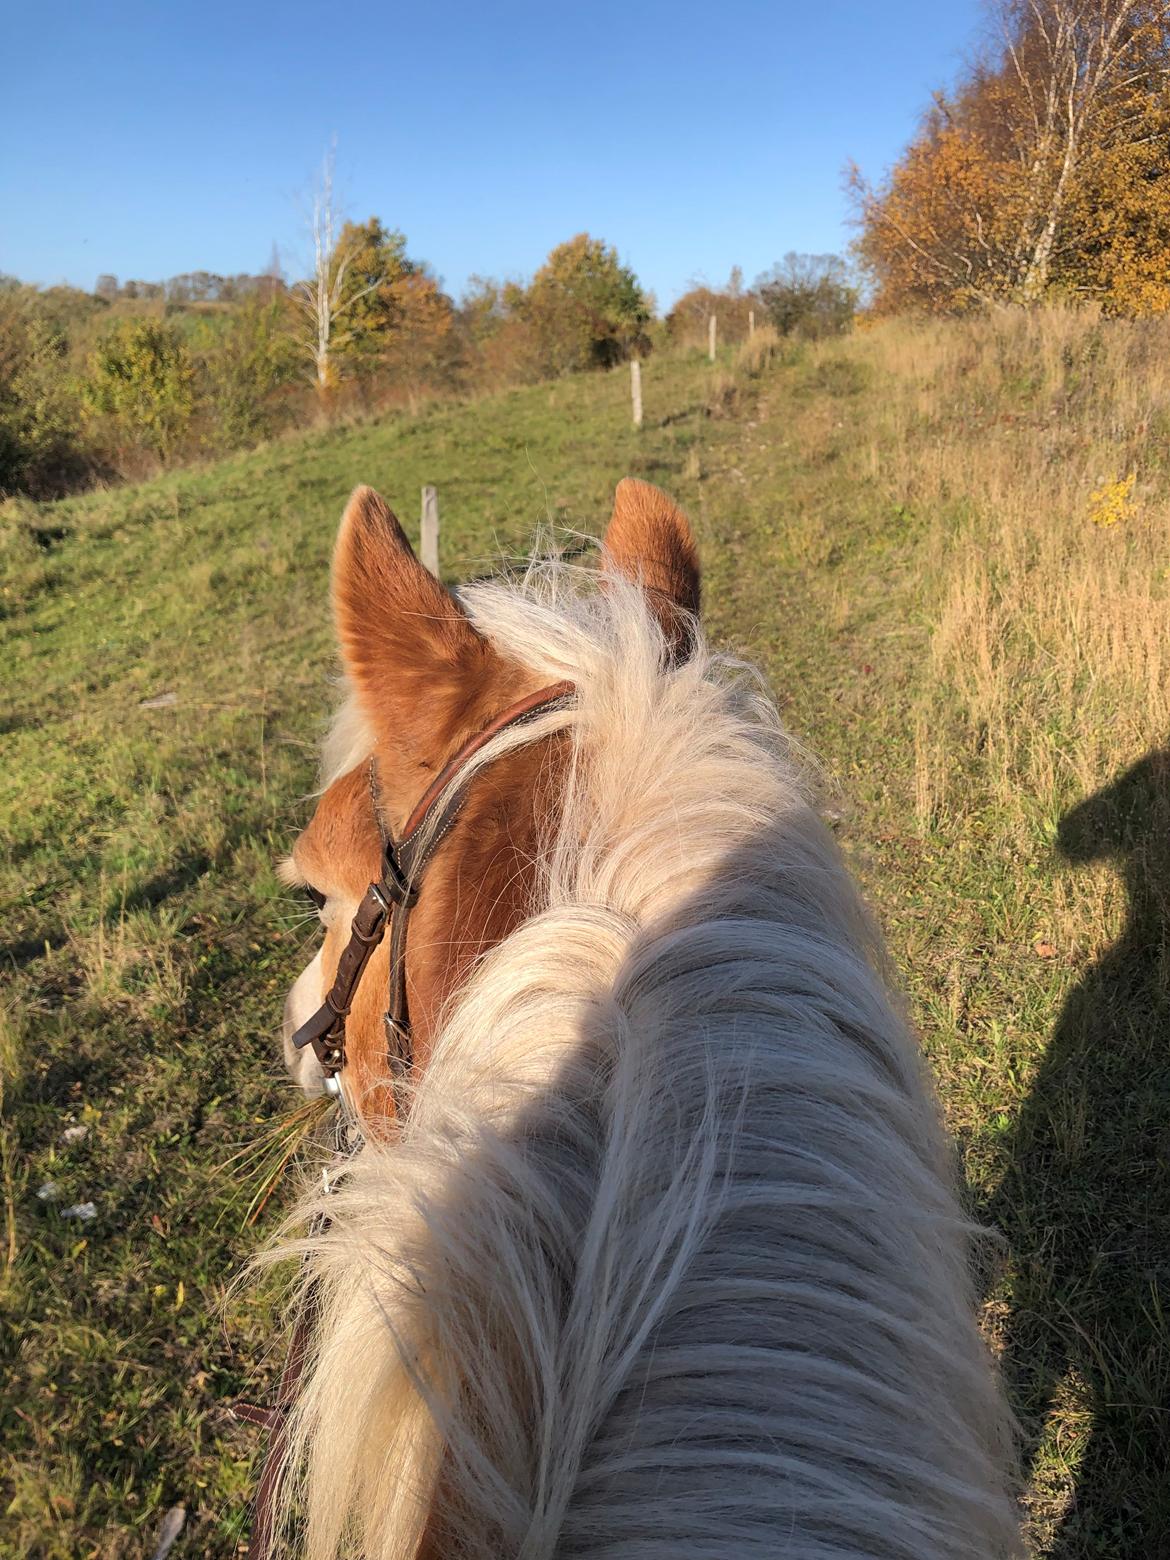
<point x="650" y="1247"/>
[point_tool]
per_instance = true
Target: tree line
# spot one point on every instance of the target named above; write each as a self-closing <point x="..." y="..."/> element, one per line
<point x="114" y="383"/>
<point x="193" y="287"/>
<point x="134" y="375"/>
<point x="1043" y="173"/>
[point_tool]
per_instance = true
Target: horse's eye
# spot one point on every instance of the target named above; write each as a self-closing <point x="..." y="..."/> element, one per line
<point x="316" y="896"/>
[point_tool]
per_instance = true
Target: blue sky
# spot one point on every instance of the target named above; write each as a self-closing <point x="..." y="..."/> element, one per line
<point x="149" y="139"/>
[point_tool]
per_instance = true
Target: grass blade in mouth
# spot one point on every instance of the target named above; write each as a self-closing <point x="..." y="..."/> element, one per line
<point x="261" y="1164"/>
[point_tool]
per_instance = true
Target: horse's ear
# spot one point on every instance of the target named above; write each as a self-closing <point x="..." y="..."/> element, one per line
<point x="417" y="665"/>
<point x="649" y="540"/>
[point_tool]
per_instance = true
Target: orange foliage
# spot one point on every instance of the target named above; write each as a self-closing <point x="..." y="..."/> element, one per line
<point x="1045" y="171"/>
<point x="687" y="320"/>
<point x="1121" y="208"/>
<point x="400" y="321"/>
<point x="938" y="236"/>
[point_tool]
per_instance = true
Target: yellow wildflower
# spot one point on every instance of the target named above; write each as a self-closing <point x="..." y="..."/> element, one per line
<point x="1113" y="503"/>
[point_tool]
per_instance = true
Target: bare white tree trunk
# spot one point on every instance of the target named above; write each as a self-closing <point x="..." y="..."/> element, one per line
<point x="1035" y="280"/>
<point x="322" y="296"/>
<point x="1085" y="47"/>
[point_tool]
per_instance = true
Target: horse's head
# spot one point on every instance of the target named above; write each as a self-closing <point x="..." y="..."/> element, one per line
<point x="423" y="682"/>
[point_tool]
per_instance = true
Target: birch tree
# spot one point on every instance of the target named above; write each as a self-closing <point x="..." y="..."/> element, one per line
<point x="325" y="301"/>
<point x="1012" y="184"/>
<point x="1083" y="70"/>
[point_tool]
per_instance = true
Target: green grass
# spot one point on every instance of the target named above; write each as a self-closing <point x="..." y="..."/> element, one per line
<point x="148" y="945"/>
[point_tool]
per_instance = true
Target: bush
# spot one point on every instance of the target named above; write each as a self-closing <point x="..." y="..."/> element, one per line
<point x="142" y="380"/>
<point x="731" y="306"/>
<point x="39" y="418"/>
<point x="245" y="360"/>
<point x="758" y="351"/>
<point x="40" y="410"/>
<point x="808" y="296"/>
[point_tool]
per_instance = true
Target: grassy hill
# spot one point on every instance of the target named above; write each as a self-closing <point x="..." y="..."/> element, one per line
<point x="929" y="539"/>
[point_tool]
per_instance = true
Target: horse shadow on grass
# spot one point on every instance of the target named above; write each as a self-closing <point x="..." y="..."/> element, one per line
<point x="1085" y="1205"/>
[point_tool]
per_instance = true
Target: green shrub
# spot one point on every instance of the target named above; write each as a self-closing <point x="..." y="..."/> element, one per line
<point x="808" y="296"/>
<point x="142" y="379"/>
<point x="40" y="413"/>
<point x="244" y="361"/>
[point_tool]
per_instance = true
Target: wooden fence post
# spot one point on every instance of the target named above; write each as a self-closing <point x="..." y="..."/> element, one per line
<point x="711" y="337"/>
<point x="751" y="323"/>
<point x="429" y="536"/>
<point x="636" y="390"/>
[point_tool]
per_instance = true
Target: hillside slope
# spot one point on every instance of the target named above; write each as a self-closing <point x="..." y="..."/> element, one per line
<point x="899" y="528"/>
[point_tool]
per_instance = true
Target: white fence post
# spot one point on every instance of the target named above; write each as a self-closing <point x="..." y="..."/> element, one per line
<point x="429" y="537"/>
<point x="636" y="390"/>
<point x="751" y="323"/>
<point x="711" y="337"/>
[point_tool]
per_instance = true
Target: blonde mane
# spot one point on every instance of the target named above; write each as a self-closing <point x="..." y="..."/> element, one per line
<point x="667" y="1262"/>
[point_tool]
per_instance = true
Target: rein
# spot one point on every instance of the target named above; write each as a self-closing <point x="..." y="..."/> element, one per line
<point x="386" y="903"/>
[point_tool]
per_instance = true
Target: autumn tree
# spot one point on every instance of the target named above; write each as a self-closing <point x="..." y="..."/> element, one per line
<point x="40" y="412"/>
<point x="400" y="319"/>
<point x="586" y="308"/>
<point x="937" y="235"/>
<point x="1120" y="206"/>
<point x="732" y="304"/>
<point x="245" y="360"/>
<point x="142" y="379"/>
<point x="1041" y="170"/>
<point x="497" y="344"/>
<point x="808" y="295"/>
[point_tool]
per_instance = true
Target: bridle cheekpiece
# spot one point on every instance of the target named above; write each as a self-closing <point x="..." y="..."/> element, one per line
<point x="389" y="901"/>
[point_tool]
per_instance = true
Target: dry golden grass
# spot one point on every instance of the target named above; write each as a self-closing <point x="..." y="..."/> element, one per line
<point x="722" y="394"/>
<point x="1048" y="582"/>
<point x="948" y="543"/>
<point x="758" y="351"/>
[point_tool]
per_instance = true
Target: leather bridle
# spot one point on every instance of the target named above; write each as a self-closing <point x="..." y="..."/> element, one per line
<point x="388" y="901"/>
<point x="391" y="899"/>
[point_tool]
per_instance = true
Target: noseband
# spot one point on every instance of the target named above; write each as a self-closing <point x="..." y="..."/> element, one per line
<point x="389" y="901"/>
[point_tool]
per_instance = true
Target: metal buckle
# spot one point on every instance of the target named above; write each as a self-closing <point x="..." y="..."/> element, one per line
<point x="394" y="882"/>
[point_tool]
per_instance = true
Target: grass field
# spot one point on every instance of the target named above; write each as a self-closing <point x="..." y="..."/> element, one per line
<point x="929" y="539"/>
